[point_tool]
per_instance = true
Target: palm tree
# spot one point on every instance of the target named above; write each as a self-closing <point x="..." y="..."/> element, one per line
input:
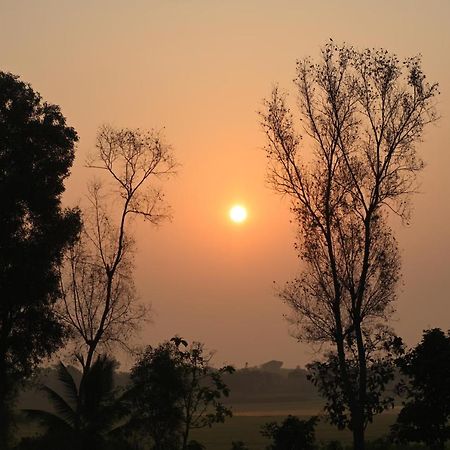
<point x="83" y="416"/>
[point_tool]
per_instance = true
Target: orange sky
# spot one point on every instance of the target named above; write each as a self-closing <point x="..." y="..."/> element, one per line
<point x="201" y="70"/>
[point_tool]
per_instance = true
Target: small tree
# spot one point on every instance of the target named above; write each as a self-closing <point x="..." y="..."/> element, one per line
<point x="426" y="412"/>
<point x="100" y="306"/>
<point x="36" y="153"/>
<point x="174" y="390"/>
<point x="382" y="350"/>
<point x="363" y="112"/>
<point x="203" y="389"/>
<point x="293" y="433"/>
<point x="154" y="396"/>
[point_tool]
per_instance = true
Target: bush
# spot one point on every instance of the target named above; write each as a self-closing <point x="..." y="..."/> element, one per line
<point x="293" y="433"/>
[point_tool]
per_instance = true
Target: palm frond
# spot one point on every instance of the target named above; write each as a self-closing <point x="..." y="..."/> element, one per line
<point x="61" y="406"/>
<point x="49" y="420"/>
<point x="68" y="383"/>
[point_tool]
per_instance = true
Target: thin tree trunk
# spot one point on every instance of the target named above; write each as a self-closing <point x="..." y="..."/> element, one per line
<point x="4" y="406"/>
<point x="5" y="388"/>
<point x="362" y="385"/>
<point x="358" y="430"/>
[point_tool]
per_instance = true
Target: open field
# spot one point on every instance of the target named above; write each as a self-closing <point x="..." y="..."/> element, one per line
<point x="248" y="418"/>
<point x="245" y="426"/>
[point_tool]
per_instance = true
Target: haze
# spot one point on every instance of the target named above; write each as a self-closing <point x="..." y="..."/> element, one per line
<point x="201" y="70"/>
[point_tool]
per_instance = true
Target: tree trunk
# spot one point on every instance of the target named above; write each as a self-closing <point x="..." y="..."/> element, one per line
<point x="358" y="431"/>
<point x="355" y="406"/>
<point x="5" y="412"/>
<point x="5" y="391"/>
<point x="186" y="434"/>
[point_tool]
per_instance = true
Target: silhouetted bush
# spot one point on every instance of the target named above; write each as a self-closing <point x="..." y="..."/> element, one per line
<point x="238" y="445"/>
<point x="425" y="416"/>
<point x="293" y="433"/>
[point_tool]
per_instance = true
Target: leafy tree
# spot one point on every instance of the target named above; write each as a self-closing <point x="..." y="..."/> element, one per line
<point x="174" y="390"/>
<point x="292" y="434"/>
<point x="238" y="445"/>
<point x="382" y="350"/>
<point x="203" y="388"/>
<point x="333" y="445"/>
<point x="425" y="416"/>
<point x="154" y="396"/>
<point x="36" y="153"/>
<point x="363" y="112"/>
<point x="82" y="419"/>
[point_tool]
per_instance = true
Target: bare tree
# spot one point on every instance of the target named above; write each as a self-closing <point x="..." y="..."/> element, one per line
<point x="362" y="112"/>
<point x="100" y="305"/>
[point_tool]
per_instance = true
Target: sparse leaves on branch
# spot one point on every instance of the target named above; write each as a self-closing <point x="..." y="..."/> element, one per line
<point x="100" y="303"/>
<point x="362" y="114"/>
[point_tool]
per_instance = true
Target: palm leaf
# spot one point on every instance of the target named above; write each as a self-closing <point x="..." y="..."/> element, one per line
<point x="61" y="406"/>
<point x="68" y="383"/>
<point x="49" y="420"/>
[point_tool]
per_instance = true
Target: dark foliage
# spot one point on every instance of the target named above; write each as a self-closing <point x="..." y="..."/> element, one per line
<point x="292" y="434"/>
<point x="157" y="386"/>
<point x="195" y="445"/>
<point x="426" y="412"/>
<point x="174" y="390"/>
<point x="36" y="153"/>
<point x="382" y="348"/>
<point x="86" y="418"/>
<point x="333" y="445"/>
<point x="238" y="445"/>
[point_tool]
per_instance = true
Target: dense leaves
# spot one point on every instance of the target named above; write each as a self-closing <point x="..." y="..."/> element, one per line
<point x="293" y="433"/>
<point x="426" y="412"/>
<point x="36" y="153"/>
<point x="174" y="390"/>
<point x="382" y="348"/>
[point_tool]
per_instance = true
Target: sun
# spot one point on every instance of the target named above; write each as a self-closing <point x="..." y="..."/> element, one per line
<point x="238" y="213"/>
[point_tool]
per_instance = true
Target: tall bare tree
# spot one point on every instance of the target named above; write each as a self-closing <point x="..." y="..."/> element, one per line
<point x="362" y="113"/>
<point x="100" y="306"/>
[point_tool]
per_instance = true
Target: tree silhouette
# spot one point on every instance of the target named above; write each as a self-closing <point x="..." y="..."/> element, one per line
<point x="36" y="153"/>
<point x="203" y="389"/>
<point x="100" y="306"/>
<point x="426" y="412"/>
<point x="174" y="390"/>
<point x="293" y="433"/>
<point x="363" y="113"/>
<point x="154" y="396"/>
<point x="82" y="419"/>
<point x="382" y="350"/>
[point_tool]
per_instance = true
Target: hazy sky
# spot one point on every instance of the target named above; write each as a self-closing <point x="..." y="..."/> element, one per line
<point x="200" y="68"/>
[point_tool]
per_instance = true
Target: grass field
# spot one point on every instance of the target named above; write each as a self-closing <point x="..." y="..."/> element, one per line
<point x="246" y="424"/>
<point x="248" y="418"/>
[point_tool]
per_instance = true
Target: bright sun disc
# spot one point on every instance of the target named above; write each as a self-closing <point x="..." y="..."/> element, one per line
<point x="238" y="213"/>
